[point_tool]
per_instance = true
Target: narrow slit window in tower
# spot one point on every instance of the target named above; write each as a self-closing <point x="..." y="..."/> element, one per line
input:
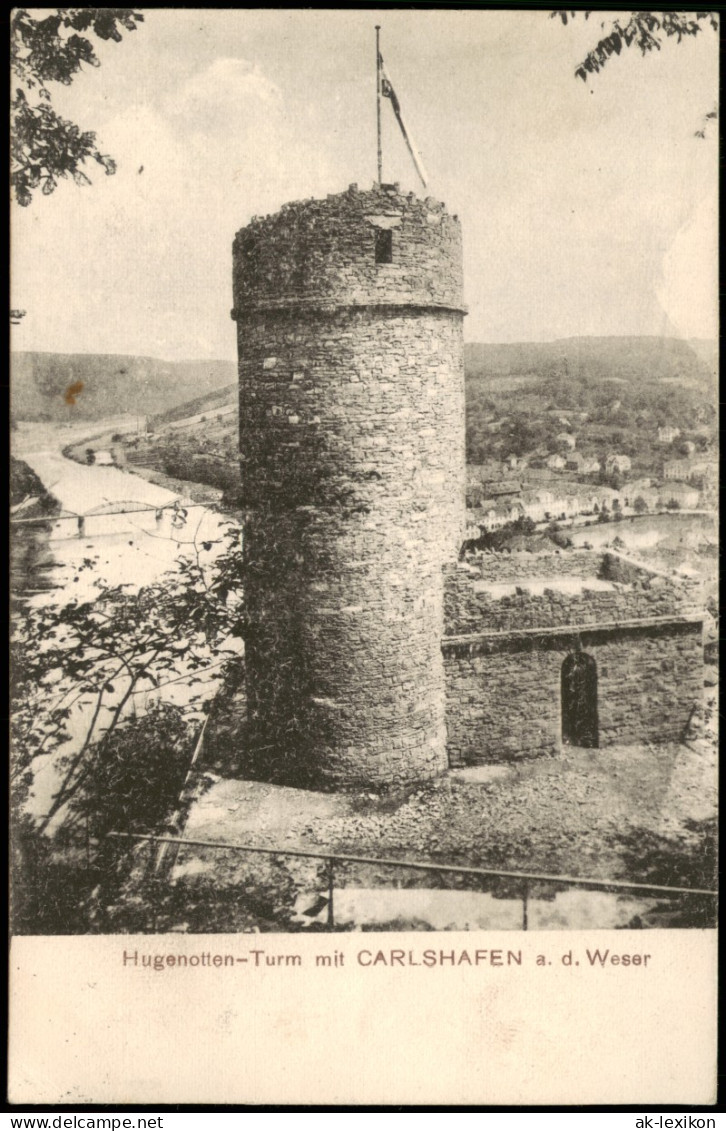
<point x="251" y="253"/>
<point x="384" y="245"/>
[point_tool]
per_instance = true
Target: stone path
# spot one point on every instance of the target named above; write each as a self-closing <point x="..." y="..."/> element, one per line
<point x="630" y="813"/>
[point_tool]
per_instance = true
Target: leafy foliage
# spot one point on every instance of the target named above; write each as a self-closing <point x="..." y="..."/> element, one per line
<point x="688" y="860"/>
<point x="645" y="30"/>
<point x="47" y="895"/>
<point x="85" y="664"/>
<point x="613" y="407"/>
<point x="45" y="146"/>
<point x="135" y="773"/>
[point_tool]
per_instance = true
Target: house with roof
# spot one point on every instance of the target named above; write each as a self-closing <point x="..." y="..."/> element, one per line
<point x="538" y="505"/>
<point x="685" y="469"/>
<point x="490" y="520"/>
<point x="642" y="484"/>
<point x="583" y="465"/>
<point x="503" y="488"/>
<point x="683" y="494"/>
<point x="617" y="462"/>
<point x="640" y="489"/>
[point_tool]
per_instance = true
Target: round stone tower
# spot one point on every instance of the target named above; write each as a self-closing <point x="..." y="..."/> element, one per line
<point x="349" y="317"/>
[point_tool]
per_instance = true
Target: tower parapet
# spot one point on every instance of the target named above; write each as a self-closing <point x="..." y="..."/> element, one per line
<point x="352" y="249"/>
<point x="349" y="313"/>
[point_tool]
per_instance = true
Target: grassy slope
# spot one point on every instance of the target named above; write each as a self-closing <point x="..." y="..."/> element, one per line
<point x="62" y="387"/>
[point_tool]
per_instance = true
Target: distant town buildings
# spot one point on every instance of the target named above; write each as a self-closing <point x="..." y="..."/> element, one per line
<point x="546" y="504"/>
<point x="680" y="493"/>
<point x="542" y="493"/>
<point x="686" y="469"/>
<point x="649" y="496"/>
<point x="583" y="465"/>
<point x="617" y="462"/>
<point x="668" y="434"/>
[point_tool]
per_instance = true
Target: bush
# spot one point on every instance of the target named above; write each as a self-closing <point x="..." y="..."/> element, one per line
<point x="50" y="892"/>
<point x="524" y="525"/>
<point x="136" y="773"/>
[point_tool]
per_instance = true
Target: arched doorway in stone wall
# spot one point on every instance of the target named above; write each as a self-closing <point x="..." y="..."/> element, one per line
<point x="579" y="700"/>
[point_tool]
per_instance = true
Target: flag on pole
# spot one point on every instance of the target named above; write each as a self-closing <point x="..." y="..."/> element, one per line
<point x="388" y="92"/>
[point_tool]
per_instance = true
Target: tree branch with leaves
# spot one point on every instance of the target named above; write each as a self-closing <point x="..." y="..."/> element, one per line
<point x="44" y="146"/>
<point x="645" y="30"/>
<point x="79" y="668"/>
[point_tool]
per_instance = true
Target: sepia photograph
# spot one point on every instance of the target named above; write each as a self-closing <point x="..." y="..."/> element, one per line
<point x="364" y="482"/>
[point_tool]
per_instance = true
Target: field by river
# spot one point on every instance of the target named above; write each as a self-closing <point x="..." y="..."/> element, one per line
<point x="685" y="543"/>
<point x="650" y="532"/>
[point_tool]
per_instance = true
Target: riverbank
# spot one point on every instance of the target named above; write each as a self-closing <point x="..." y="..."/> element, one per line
<point x="200" y="493"/>
<point x="108" y="443"/>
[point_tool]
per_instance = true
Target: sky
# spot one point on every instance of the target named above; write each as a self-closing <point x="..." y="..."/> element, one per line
<point x="586" y="209"/>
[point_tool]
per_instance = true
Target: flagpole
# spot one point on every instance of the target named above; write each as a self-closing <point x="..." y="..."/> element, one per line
<point x="378" y="101"/>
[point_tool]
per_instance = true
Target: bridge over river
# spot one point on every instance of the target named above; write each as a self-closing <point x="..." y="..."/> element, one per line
<point x="131" y="529"/>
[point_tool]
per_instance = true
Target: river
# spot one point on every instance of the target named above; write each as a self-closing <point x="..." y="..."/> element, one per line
<point x="133" y="533"/>
<point x="134" y="547"/>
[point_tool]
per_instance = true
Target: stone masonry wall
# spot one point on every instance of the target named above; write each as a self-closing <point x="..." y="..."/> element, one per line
<point x="353" y="480"/>
<point x="321" y="253"/>
<point x="503" y="691"/>
<point x="471" y="607"/>
<point x="519" y="566"/>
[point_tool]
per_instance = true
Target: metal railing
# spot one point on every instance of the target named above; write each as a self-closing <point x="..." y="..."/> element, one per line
<point x="526" y="879"/>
